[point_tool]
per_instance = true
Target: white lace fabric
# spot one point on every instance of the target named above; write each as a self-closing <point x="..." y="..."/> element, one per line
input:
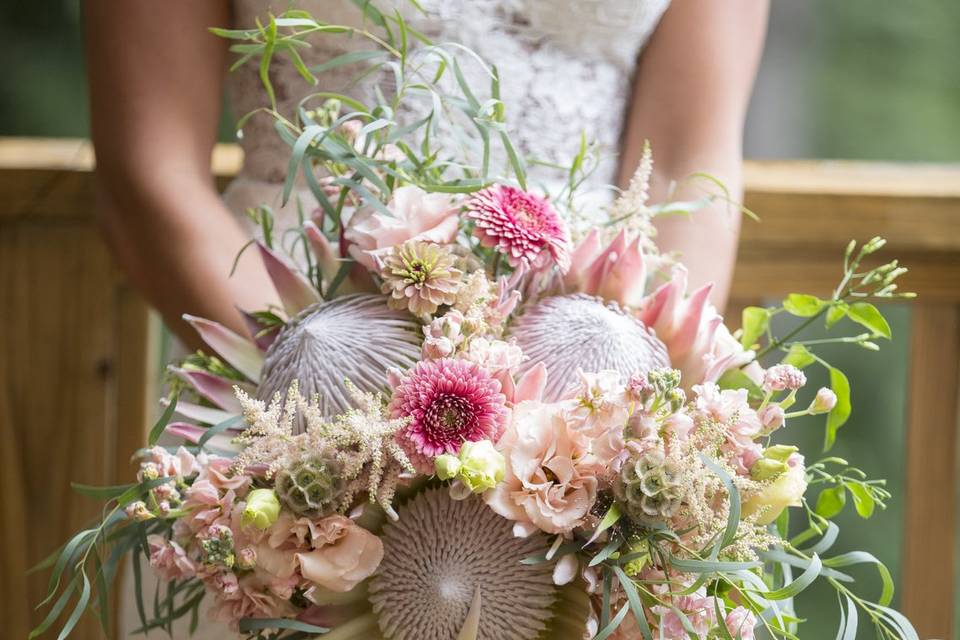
<point x="565" y="68"/>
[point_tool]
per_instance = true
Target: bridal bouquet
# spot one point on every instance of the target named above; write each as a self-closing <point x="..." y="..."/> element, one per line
<point x="483" y="410"/>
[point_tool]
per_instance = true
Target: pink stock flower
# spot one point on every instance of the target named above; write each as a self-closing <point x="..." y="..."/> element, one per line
<point x="179" y="465"/>
<point x="448" y="402"/>
<point x="417" y="215"/>
<point x="728" y="407"/>
<point x="824" y="401"/>
<point x="551" y="480"/>
<point x="600" y="405"/>
<point x="520" y="225"/>
<point x="249" y="596"/>
<point x="169" y="559"/>
<point x="740" y="623"/>
<point x="220" y="472"/>
<point x="783" y="377"/>
<point x="771" y="417"/>
<point x="616" y="273"/>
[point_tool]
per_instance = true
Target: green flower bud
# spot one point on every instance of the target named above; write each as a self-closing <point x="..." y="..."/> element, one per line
<point x="780" y="452"/>
<point x="447" y="466"/>
<point x="767" y="469"/>
<point x="481" y="465"/>
<point x="262" y="509"/>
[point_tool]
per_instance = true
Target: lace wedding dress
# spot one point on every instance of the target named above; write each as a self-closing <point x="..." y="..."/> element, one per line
<point x="565" y="66"/>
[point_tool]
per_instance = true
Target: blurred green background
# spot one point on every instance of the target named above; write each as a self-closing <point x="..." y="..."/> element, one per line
<point x="863" y="79"/>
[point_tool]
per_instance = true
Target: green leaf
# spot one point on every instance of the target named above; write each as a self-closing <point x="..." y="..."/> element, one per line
<point x="852" y="558"/>
<point x="755" y="322"/>
<point x="803" y="581"/>
<point x="100" y="493"/>
<point x="161" y="424"/>
<point x="803" y="305"/>
<point x="870" y="317"/>
<point x="77" y="610"/>
<point x="609" y="519"/>
<point x="737" y="379"/>
<point x="633" y="598"/>
<point x="830" y="501"/>
<point x="348" y="58"/>
<point x="862" y="499"/>
<point x="799" y="356"/>
<point x="836" y="313"/>
<point x="841" y="412"/>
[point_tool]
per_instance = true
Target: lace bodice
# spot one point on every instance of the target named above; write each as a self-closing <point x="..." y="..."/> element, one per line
<point x="565" y="67"/>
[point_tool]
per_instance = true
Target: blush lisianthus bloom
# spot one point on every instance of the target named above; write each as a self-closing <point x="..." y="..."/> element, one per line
<point x="417" y="215"/>
<point x="343" y="554"/>
<point x="419" y="277"/>
<point x="551" y="481"/>
<point x="521" y="225"/>
<point x="448" y="402"/>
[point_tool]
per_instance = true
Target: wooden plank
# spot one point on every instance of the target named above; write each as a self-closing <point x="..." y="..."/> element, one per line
<point x="74" y="389"/>
<point x="927" y="584"/>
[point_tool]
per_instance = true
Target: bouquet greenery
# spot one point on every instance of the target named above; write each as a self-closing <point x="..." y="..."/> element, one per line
<point x="486" y="408"/>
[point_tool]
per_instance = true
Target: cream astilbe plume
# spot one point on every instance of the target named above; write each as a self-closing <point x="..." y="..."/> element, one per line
<point x="359" y="444"/>
<point x="630" y="210"/>
<point x="440" y="553"/>
<point x="567" y="333"/>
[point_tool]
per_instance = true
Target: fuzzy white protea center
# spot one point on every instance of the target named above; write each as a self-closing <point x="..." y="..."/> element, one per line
<point x="439" y="553"/>
<point x="573" y="332"/>
<point x="354" y="338"/>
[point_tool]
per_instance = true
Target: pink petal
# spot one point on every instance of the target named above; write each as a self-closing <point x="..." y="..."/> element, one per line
<point x="565" y="570"/>
<point x="582" y="257"/>
<point x="233" y="348"/>
<point x="205" y="415"/>
<point x="294" y="289"/>
<point x="263" y="339"/>
<point x="686" y="334"/>
<point x="217" y="390"/>
<point x="532" y="384"/>
<point x="324" y="252"/>
<point x="192" y="433"/>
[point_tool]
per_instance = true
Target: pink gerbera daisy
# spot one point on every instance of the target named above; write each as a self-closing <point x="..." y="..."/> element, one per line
<point x="521" y="225"/>
<point x="448" y="402"/>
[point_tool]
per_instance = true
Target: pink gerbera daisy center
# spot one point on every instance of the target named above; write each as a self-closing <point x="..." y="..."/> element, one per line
<point x="448" y="402"/>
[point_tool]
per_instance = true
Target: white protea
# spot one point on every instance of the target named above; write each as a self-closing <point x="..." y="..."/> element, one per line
<point x="355" y="337"/>
<point x="572" y="332"/>
<point x="440" y="553"/>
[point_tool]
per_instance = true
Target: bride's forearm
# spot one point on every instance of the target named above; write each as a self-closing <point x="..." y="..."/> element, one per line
<point x="177" y="244"/>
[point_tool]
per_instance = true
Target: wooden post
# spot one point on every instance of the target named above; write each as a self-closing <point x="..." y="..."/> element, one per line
<point x="927" y="585"/>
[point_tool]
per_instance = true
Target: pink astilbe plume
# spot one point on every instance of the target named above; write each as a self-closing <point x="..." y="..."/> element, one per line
<point x="448" y="402"/>
<point x="520" y="225"/>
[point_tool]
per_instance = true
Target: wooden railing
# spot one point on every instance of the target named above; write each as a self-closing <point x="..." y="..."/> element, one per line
<point x="78" y="350"/>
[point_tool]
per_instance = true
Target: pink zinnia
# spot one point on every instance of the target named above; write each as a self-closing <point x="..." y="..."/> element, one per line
<point x="521" y="225"/>
<point x="448" y="402"/>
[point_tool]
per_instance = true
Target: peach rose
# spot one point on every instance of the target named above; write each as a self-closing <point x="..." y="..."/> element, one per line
<point x="417" y="215"/>
<point x="551" y="479"/>
<point x="343" y="554"/>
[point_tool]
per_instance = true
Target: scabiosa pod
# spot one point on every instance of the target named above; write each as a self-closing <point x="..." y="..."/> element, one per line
<point x="522" y="226"/>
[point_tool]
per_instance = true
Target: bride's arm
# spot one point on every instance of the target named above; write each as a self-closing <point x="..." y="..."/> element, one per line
<point x="155" y="76"/>
<point x="691" y="92"/>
